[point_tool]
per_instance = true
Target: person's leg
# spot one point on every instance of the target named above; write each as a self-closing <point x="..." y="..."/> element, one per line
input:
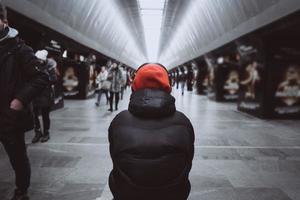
<point x="46" y="124"/>
<point x="98" y="98"/>
<point x="117" y="100"/>
<point x="17" y="153"/>
<point x="37" y="126"/>
<point x="100" y="95"/>
<point x="122" y="92"/>
<point x="107" y="98"/>
<point x="111" y="101"/>
<point x="182" y="87"/>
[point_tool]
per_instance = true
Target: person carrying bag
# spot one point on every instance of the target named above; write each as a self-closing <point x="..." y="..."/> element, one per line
<point x="103" y="85"/>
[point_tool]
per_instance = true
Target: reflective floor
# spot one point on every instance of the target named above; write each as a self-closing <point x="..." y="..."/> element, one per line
<point x="237" y="156"/>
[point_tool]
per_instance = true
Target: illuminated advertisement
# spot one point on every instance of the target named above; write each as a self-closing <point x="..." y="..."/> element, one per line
<point x="287" y="94"/>
<point x="251" y="79"/>
<point x="222" y="80"/>
<point x="202" y="78"/>
<point x="231" y="85"/>
<point x="209" y="83"/>
<point x="91" y="81"/>
<point x="58" y="89"/>
<point x="71" y="81"/>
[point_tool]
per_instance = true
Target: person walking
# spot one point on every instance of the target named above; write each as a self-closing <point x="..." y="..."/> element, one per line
<point x="102" y="86"/>
<point x="182" y="80"/>
<point x="115" y="77"/>
<point x="20" y="81"/>
<point x="123" y="81"/>
<point x="151" y="144"/>
<point x="43" y="103"/>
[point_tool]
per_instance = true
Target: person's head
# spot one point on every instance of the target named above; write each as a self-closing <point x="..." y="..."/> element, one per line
<point x="182" y="70"/>
<point x="3" y="16"/>
<point x="102" y="68"/>
<point x="293" y="73"/>
<point x="42" y="55"/>
<point x="114" y="65"/>
<point x="152" y="76"/>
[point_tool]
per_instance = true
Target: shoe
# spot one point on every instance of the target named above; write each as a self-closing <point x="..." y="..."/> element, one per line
<point x="45" y="137"/>
<point x="97" y="104"/>
<point x="19" y="195"/>
<point x="110" y="110"/>
<point x="37" y="137"/>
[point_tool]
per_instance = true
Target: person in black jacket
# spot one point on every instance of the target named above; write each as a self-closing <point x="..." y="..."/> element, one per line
<point x="20" y="81"/>
<point x="182" y="79"/>
<point x="43" y="103"/>
<point x="151" y="144"/>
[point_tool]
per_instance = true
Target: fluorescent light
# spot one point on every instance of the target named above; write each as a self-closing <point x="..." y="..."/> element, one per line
<point x="152" y="4"/>
<point x="152" y="14"/>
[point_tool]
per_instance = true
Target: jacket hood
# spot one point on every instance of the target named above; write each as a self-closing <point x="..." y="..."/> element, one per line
<point x="151" y="103"/>
<point x="12" y="33"/>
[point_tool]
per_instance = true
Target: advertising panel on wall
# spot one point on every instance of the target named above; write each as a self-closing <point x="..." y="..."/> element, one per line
<point x="252" y="75"/>
<point x="55" y="52"/>
<point x="71" y="80"/>
<point x="286" y="81"/>
<point x="202" y="77"/>
<point x="223" y="76"/>
<point x="78" y="79"/>
<point x="229" y="80"/>
<point x="211" y="68"/>
<point x="91" y="80"/>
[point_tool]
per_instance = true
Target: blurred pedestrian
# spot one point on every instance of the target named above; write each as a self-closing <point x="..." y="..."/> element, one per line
<point x="115" y="77"/>
<point x="182" y="80"/>
<point x="102" y="87"/>
<point x="123" y="81"/>
<point x="20" y="81"/>
<point x="43" y="103"/>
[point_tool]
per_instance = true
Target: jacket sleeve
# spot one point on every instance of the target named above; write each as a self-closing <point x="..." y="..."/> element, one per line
<point x="52" y="71"/>
<point x="191" y="136"/>
<point x="192" y="139"/>
<point x="34" y="79"/>
<point x="52" y="75"/>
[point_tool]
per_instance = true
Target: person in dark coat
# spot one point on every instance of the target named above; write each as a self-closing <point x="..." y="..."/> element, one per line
<point x="20" y="81"/>
<point x="115" y="77"/>
<point x="182" y="79"/>
<point x="43" y="103"/>
<point x="151" y="144"/>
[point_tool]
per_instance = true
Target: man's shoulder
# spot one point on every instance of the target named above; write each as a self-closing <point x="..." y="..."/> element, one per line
<point x="23" y="48"/>
<point x="122" y="115"/>
<point x="51" y="63"/>
<point x="121" y="118"/>
<point x="181" y="116"/>
<point x="177" y="118"/>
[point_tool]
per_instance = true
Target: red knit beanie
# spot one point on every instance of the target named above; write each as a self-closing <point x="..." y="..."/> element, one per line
<point x="152" y="76"/>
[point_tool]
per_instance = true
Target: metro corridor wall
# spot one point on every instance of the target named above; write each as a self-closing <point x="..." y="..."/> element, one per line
<point x="222" y="75"/>
<point x="270" y="77"/>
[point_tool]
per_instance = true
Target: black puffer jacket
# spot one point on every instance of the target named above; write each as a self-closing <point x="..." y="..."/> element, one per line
<point x="20" y="78"/>
<point x="152" y="147"/>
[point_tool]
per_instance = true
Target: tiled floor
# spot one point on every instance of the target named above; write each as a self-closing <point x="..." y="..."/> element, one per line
<point x="237" y="156"/>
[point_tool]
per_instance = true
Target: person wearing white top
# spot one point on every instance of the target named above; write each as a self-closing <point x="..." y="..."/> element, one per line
<point x="101" y="78"/>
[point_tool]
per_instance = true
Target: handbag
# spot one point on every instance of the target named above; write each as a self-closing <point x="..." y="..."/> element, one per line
<point x="106" y="85"/>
